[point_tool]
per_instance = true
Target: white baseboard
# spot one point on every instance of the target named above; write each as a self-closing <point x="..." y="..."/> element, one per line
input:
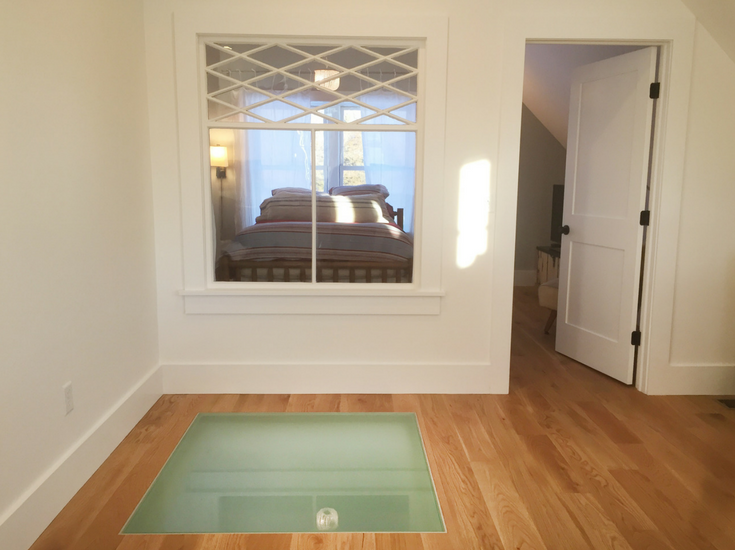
<point x="40" y="504"/>
<point x="689" y="379"/>
<point x="311" y="378"/>
<point x="524" y="277"/>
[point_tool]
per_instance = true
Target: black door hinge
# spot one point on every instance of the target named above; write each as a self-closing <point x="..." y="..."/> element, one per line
<point x="635" y="338"/>
<point x="655" y="90"/>
<point x="645" y="217"/>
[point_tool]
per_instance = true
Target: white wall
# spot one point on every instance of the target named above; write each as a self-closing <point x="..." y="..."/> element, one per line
<point x="704" y="305"/>
<point x="541" y="166"/>
<point x="77" y="276"/>
<point x="469" y="339"/>
<point x="240" y="351"/>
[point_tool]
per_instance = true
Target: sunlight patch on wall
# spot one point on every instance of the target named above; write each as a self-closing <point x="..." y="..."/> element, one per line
<point x="473" y="214"/>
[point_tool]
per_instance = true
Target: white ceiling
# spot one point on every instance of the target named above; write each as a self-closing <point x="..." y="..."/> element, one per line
<point x="548" y="76"/>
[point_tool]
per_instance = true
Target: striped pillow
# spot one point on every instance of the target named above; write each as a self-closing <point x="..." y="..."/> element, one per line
<point x="360" y="190"/>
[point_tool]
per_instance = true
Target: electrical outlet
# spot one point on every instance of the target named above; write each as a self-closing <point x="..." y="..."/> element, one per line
<point x="68" y="397"/>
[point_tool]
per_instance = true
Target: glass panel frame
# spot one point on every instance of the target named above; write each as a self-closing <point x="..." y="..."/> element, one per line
<point x="351" y="467"/>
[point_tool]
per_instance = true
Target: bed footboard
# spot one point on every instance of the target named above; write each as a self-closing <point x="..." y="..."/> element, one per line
<point x="300" y="271"/>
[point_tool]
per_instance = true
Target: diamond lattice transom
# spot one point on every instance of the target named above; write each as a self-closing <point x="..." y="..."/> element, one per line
<point x="286" y="82"/>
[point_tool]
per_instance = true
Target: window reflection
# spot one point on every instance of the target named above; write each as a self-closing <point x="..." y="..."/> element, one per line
<point x="362" y="203"/>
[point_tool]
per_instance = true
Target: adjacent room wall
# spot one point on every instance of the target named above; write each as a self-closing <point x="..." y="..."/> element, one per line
<point x="547" y="79"/>
<point x="77" y="275"/>
<point x="541" y="166"/>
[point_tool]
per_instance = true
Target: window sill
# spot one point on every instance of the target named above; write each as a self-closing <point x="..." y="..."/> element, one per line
<point x="302" y="301"/>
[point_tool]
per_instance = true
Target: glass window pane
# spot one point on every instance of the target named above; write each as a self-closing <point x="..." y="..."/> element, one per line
<point x="411" y="59"/>
<point x="320" y="180"/>
<point x="350" y="58"/>
<point x="353" y="177"/>
<point x="382" y="50"/>
<point x="346" y="111"/>
<point x="277" y="57"/>
<point x="408" y="85"/>
<point x="237" y="70"/>
<point x="385" y="98"/>
<point x="407" y="112"/>
<point x="382" y="119"/>
<point x="352" y="149"/>
<point x="365" y="225"/>
<point x="262" y="205"/>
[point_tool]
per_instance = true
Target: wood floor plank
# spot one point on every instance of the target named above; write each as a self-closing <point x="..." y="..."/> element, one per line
<point x="608" y="423"/>
<point x="270" y="541"/>
<point x="103" y="532"/>
<point x="682" y="534"/>
<point x="537" y="492"/>
<point x="515" y="526"/>
<point x="366" y="403"/>
<point x="710" y="515"/>
<point x="569" y="460"/>
<point x="471" y="520"/>
<point x="474" y="438"/>
<point x="556" y="467"/>
<point x="396" y="541"/>
<point x="311" y="541"/>
<point x="77" y="517"/>
<point x="599" y="532"/>
<point x="142" y="542"/>
<point x="225" y="403"/>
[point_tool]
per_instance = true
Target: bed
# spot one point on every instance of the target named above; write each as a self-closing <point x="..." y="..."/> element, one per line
<point x="359" y="238"/>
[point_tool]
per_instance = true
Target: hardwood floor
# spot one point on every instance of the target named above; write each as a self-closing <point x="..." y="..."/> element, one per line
<point x="569" y="460"/>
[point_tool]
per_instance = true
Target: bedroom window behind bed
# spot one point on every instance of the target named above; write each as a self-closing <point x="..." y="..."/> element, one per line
<point x="322" y="140"/>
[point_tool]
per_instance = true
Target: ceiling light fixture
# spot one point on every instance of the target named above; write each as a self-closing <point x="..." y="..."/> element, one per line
<point x="323" y="74"/>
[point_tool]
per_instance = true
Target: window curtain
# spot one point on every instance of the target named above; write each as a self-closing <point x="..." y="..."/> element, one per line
<point x="390" y="157"/>
<point x="268" y="159"/>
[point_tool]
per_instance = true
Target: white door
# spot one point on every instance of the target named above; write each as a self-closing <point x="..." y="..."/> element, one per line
<point x="610" y="121"/>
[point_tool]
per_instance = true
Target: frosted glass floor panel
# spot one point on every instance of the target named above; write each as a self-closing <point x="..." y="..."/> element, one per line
<point x="291" y="473"/>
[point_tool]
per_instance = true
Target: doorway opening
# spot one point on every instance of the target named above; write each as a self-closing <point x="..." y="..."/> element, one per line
<point x="586" y="121"/>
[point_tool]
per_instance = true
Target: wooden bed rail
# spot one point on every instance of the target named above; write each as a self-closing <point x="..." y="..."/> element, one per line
<point x="300" y="271"/>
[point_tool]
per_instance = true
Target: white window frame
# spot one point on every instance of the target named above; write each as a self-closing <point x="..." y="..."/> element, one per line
<point x="202" y="294"/>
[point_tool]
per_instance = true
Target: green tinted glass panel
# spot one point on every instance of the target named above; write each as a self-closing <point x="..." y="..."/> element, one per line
<point x="293" y="472"/>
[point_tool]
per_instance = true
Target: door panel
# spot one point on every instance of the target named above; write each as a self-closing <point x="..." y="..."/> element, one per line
<point x="605" y="140"/>
<point x="594" y="271"/>
<point x="608" y="147"/>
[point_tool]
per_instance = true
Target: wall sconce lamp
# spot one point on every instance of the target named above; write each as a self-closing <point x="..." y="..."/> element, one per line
<point x="218" y="160"/>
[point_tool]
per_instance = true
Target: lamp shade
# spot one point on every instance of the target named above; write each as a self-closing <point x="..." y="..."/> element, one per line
<point x="323" y="74"/>
<point x="218" y="156"/>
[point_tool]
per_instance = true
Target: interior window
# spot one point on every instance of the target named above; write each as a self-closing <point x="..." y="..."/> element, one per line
<point x="313" y="161"/>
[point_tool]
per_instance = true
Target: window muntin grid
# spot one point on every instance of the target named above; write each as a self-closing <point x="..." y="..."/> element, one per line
<point x="243" y="76"/>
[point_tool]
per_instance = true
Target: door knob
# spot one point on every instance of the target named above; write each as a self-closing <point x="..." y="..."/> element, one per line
<point x="565" y="229"/>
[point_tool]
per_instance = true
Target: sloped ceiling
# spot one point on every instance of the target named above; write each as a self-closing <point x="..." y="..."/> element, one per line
<point x="549" y="67"/>
<point x="718" y="17"/>
<point x="548" y="77"/>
